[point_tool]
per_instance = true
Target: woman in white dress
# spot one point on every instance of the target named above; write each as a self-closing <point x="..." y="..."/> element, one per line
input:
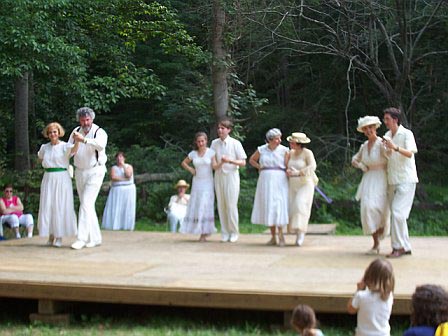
<point x="271" y="196"/>
<point x="177" y="207"/>
<point x="372" y="191"/>
<point x="200" y="217"/>
<point x="119" y="212"/>
<point x="56" y="217"/>
<point x="301" y="167"/>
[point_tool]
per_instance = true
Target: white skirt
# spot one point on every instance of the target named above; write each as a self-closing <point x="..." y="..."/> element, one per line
<point x="119" y="213"/>
<point x="56" y="208"/>
<point x="200" y="217"/>
<point x="271" y="199"/>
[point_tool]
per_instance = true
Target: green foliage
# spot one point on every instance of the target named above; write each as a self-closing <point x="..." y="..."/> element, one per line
<point x="84" y="52"/>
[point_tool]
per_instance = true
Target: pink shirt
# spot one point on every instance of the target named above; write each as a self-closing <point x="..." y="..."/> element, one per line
<point x="13" y="202"/>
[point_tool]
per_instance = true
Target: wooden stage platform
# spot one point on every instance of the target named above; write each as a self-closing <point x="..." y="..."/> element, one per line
<point x="176" y="270"/>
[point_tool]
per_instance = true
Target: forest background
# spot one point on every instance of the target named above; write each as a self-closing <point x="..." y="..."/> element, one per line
<point x="158" y="72"/>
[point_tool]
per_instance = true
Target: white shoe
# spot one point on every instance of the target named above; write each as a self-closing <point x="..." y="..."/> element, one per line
<point x="300" y="238"/>
<point x="57" y="242"/>
<point x="233" y="237"/>
<point x="93" y="244"/>
<point x="79" y="244"/>
<point x="225" y="237"/>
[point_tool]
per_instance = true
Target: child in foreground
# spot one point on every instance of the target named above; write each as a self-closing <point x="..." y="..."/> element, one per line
<point x="303" y="321"/>
<point x="429" y="310"/>
<point x="373" y="299"/>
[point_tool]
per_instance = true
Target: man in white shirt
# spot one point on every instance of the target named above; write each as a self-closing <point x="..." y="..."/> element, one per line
<point x="230" y="155"/>
<point x="90" y="163"/>
<point x="402" y="179"/>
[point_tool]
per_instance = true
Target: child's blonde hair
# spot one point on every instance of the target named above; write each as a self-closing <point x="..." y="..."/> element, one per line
<point x="303" y="319"/>
<point x="379" y="277"/>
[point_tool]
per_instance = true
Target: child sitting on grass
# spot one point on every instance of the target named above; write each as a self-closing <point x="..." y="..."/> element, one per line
<point x="303" y="321"/>
<point x="373" y="299"/>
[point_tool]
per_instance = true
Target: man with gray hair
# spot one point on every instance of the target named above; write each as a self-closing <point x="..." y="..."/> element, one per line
<point x="90" y="163"/>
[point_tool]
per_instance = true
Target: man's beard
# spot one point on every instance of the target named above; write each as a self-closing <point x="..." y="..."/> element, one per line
<point x="86" y="129"/>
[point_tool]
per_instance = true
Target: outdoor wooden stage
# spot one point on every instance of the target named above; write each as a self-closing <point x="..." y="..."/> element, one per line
<point x="172" y="269"/>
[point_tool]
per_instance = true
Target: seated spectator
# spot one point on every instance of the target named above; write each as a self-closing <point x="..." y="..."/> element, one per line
<point x="177" y="207"/>
<point x="11" y="209"/>
<point x="303" y="320"/>
<point x="429" y="309"/>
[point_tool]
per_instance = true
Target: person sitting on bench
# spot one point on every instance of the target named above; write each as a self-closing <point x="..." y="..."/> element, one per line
<point x="11" y="209"/>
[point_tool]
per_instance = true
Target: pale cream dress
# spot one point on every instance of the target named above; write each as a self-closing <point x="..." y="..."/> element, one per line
<point x="372" y="191"/>
<point x="301" y="188"/>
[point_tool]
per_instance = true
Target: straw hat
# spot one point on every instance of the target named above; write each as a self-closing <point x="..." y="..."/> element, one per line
<point x="298" y="137"/>
<point x="181" y="183"/>
<point x="366" y="121"/>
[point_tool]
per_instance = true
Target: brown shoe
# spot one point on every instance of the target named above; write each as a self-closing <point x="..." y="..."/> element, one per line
<point x="396" y="253"/>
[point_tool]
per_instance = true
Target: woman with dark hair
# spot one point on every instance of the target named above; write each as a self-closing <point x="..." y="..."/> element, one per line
<point x="119" y="212"/>
<point x="200" y="217"/>
<point x="429" y="309"/>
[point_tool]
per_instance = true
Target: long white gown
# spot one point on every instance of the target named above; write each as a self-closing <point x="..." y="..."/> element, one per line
<point x="301" y="188"/>
<point x="119" y="212"/>
<point x="200" y="217"/>
<point x="271" y="196"/>
<point x="56" y="208"/>
<point x="372" y="191"/>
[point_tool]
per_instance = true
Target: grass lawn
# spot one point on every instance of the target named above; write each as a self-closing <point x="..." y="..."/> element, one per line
<point x="103" y="319"/>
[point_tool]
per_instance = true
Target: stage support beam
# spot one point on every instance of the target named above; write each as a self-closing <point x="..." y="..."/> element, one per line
<point x="51" y="312"/>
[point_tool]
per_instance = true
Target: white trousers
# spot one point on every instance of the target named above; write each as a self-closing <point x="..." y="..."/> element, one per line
<point x="14" y="221"/>
<point x="88" y="185"/>
<point x="173" y="220"/>
<point x="227" y="190"/>
<point x="401" y="197"/>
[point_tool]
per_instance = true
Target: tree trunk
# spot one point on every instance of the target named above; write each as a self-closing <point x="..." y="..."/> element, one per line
<point x="219" y="66"/>
<point x="22" y="146"/>
<point x="34" y="132"/>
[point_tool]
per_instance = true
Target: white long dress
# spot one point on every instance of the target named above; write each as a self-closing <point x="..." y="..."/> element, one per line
<point x="271" y="196"/>
<point x="301" y="188"/>
<point x="56" y="208"/>
<point x="372" y="191"/>
<point x="200" y="217"/>
<point x="119" y="212"/>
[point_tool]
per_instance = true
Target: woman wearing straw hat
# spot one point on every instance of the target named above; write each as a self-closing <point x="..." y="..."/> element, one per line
<point x="177" y="207"/>
<point x="372" y="191"/>
<point x="301" y="167"/>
